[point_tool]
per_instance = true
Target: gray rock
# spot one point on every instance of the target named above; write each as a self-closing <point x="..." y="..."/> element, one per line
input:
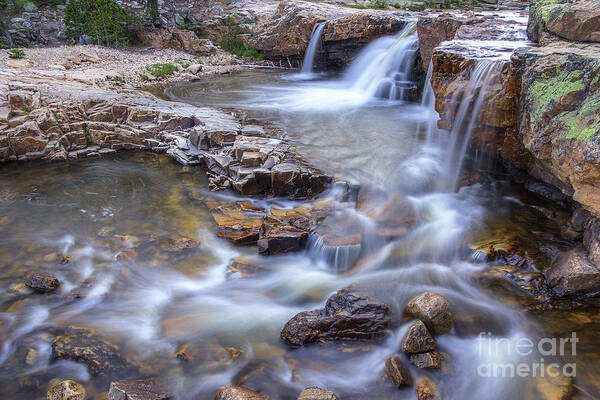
<point x="194" y="68"/>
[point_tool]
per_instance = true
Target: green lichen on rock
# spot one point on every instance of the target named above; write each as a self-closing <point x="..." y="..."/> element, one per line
<point x="584" y="123"/>
<point x="566" y="97"/>
<point x="553" y="12"/>
<point x="540" y="12"/>
<point x="547" y="90"/>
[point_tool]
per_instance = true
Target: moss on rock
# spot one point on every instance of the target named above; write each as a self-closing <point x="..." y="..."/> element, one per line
<point x="568" y="94"/>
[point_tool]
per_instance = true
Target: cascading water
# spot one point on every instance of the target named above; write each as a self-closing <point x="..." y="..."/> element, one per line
<point x="466" y="113"/>
<point x="383" y="71"/>
<point x="315" y="41"/>
<point x="163" y="301"/>
<point x="384" y="68"/>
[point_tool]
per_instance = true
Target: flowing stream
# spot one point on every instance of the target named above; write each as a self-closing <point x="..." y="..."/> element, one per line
<point x="358" y="127"/>
<point x="309" y="58"/>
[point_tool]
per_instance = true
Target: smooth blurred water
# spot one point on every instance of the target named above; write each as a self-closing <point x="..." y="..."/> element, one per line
<point x="92" y="210"/>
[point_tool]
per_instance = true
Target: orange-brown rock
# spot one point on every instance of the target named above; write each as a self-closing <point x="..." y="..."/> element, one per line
<point x="237" y="222"/>
<point x="239" y="393"/>
<point x="426" y="389"/>
<point x="397" y="372"/>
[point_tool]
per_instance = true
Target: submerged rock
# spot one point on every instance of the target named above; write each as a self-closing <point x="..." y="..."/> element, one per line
<point x="397" y="372"/>
<point x="148" y="389"/>
<point x="347" y="315"/>
<point x="315" y="393"/>
<point x="66" y="390"/>
<point x="426" y="389"/>
<point x="418" y="339"/>
<point x="42" y="282"/>
<point x="433" y="310"/>
<point x="238" y="393"/>
<point x="87" y="346"/>
<point x="573" y="273"/>
<point x="553" y="385"/>
<point x="246" y="267"/>
<point x="179" y="243"/>
<point x="238" y="222"/>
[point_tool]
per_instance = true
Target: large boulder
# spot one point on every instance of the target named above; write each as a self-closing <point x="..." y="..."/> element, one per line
<point x="178" y="39"/>
<point x="417" y="339"/>
<point x="315" y="393"/>
<point x="344" y="37"/>
<point x="433" y="310"/>
<point x="578" y="21"/>
<point x="238" y="393"/>
<point x="573" y="273"/>
<point x="286" y="33"/>
<point x="147" y="389"/>
<point x="434" y="30"/>
<point x="559" y="124"/>
<point x="347" y="315"/>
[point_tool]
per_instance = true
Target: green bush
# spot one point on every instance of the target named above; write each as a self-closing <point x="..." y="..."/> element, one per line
<point x="239" y="48"/>
<point x="233" y="44"/>
<point x="104" y="21"/>
<point x="161" y="69"/>
<point x="16" y="53"/>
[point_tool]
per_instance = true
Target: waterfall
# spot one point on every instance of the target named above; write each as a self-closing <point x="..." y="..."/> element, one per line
<point x="468" y="102"/>
<point x="467" y="115"/>
<point x="309" y="57"/>
<point x="428" y="103"/>
<point x="383" y="69"/>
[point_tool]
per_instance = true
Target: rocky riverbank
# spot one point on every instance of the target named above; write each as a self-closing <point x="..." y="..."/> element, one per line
<point x="540" y="116"/>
